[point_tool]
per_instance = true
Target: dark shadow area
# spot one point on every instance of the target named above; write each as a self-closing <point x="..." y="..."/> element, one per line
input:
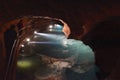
<point x="9" y="37"/>
<point x="104" y="39"/>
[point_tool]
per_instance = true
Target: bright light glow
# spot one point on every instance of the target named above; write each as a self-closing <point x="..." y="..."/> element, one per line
<point x="42" y="34"/>
<point x="22" y="45"/>
<point x="35" y="32"/>
<point x="35" y="42"/>
<point x="27" y="39"/>
<point x="52" y="36"/>
<point x="55" y="27"/>
<point x="50" y="26"/>
<point x="24" y="64"/>
<point x="58" y="26"/>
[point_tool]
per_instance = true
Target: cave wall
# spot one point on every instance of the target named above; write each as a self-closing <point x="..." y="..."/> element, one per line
<point x="81" y="16"/>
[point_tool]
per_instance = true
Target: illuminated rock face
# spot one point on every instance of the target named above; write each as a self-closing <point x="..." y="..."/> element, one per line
<point x="45" y="52"/>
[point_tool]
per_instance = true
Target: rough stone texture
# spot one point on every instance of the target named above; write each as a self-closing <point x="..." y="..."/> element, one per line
<point x="76" y="14"/>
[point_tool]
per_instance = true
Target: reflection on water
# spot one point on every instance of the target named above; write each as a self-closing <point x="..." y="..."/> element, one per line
<point x="33" y="67"/>
<point x="45" y="55"/>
